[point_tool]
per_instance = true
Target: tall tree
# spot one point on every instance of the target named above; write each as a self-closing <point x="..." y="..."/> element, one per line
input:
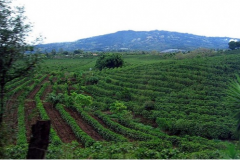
<point x="14" y="62"/>
<point x="232" y="45"/>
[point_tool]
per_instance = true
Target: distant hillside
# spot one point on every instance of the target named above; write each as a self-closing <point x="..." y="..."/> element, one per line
<point x="141" y="40"/>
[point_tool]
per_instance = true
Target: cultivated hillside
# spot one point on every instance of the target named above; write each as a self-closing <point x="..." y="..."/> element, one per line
<point x="141" y="40"/>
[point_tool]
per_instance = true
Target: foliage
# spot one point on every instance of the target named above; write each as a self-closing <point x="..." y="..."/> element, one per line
<point x="137" y="135"/>
<point x="4" y="139"/>
<point x="104" y="132"/>
<point x="55" y="98"/>
<point x="13" y="62"/>
<point x="109" y="61"/>
<point x="233" y="45"/>
<point x="234" y="96"/>
<point x="118" y="107"/>
<point x="80" y="134"/>
<point x="76" y="99"/>
<point x="178" y="108"/>
<point x="21" y="137"/>
<point x="16" y="151"/>
<point x="92" y="80"/>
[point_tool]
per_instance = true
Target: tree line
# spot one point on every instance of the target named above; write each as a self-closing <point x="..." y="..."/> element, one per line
<point x="233" y="45"/>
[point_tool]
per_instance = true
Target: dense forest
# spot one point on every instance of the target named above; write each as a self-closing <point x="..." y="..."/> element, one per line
<point x="155" y="105"/>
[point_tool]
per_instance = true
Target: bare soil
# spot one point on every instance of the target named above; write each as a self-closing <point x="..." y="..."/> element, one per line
<point x="63" y="130"/>
<point x="84" y="125"/>
<point x="31" y="116"/>
<point x="100" y="121"/>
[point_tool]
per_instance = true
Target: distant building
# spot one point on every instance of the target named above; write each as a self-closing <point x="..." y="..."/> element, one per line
<point x="173" y="50"/>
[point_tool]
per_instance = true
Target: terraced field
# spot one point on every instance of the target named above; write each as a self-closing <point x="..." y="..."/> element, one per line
<point x="175" y="108"/>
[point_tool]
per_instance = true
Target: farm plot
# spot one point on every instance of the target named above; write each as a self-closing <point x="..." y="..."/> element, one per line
<point x="173" y="106"/>
<point x="174" y="93"/>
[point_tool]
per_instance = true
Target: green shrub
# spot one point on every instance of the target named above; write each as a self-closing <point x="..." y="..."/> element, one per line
<point x="109" y="61"/>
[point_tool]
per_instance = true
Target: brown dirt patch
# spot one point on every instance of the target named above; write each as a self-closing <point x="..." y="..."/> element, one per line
<point x="31" y="116"/>
<point x="63" y="130"/>
<point x="100" y="121"/>
<point x="84" y="125"/>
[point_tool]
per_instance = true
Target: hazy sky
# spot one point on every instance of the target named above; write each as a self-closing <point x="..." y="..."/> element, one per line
<point x="70" y="20"/>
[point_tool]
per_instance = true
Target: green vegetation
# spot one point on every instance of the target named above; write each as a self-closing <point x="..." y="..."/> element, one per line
<point x="233" y="45"/>
<point x="13" y="62"/>
<point x="109" y="61"/>
<point x="155" y="106"/>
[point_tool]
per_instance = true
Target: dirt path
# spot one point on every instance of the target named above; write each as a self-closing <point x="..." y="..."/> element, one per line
<point x="100" y="121"/>
<point x="63" y="130"/>
<point x="84" y="126"/>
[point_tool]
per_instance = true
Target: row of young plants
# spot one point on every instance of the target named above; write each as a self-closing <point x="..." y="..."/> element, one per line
<point x="19" y="88"/>
<point x="18" y="82"/>
<point x="21" y="134"/>
<point x="54" y="138"/>
<point x="104" y="132"/>
<point x="15" y="83"/>
<point x="134" y="134"/>
<point x="21" y="111"/>
<point x="80" y="134"/>
<point x="26" y="87"/>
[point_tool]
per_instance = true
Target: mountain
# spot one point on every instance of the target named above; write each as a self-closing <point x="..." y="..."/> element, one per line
<point x="141" y="40"/>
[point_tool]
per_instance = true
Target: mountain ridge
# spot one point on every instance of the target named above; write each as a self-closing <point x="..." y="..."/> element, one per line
<point x="141" y="40"/>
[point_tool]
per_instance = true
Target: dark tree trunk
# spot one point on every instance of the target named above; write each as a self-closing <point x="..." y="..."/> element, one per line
<point x="39" y="140"/>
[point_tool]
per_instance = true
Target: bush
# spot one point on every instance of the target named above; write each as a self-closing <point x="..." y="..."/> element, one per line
<point x="109" y="61"/>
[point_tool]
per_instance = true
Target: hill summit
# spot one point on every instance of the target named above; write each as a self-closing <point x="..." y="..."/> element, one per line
<point x="141" y="40"/>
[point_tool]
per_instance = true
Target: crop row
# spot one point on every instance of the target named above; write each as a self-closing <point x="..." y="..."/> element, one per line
<point x="53" y="135"/>
<point x="105" y="133"/>
<point x="15" y="83"/>
<point x="19" y="88"/>
<point x="21" y="135"/>
<point x="54" y="138"/>
<point x="142" y="128"/>
<point x="137" y="135"/>
<point x="80" y="134"/>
